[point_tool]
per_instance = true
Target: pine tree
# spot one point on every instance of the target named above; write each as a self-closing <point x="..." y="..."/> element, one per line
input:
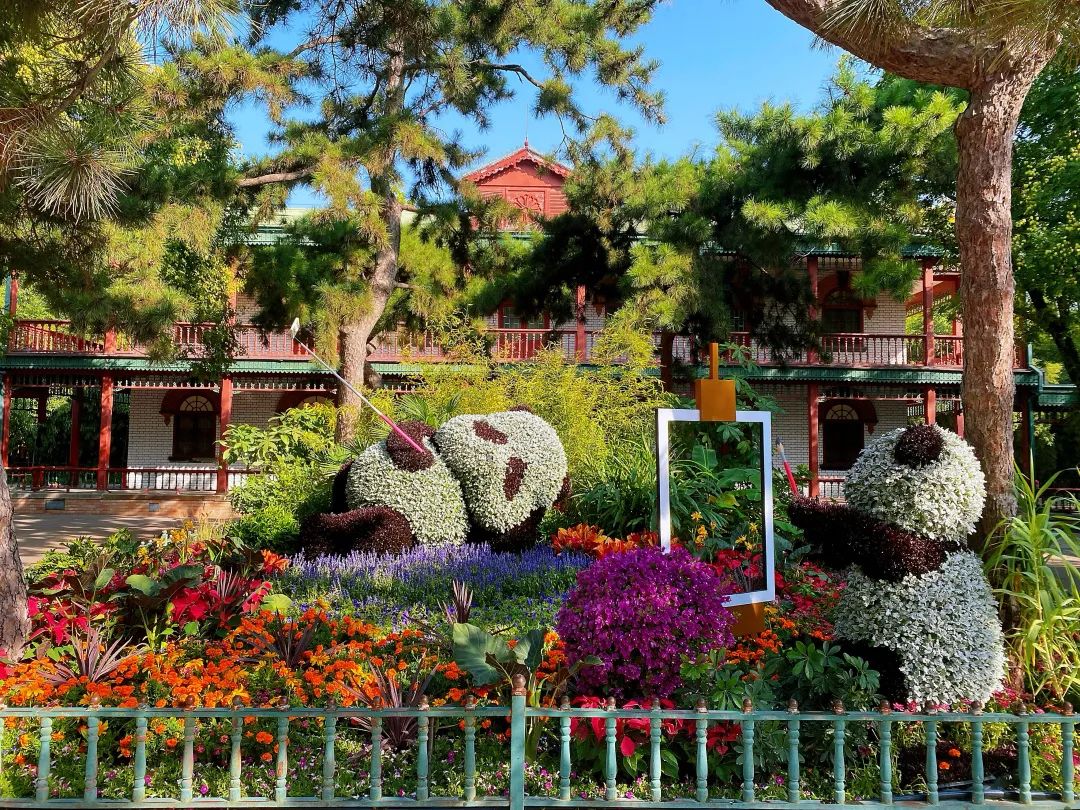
<point x="385" y="76"/>
<point x="994" y="50"/>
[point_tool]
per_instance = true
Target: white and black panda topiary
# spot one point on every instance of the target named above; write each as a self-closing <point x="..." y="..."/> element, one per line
<point x="512" y="468"/>
<point x="917" y="605"/>
<point x="480" y="478"/>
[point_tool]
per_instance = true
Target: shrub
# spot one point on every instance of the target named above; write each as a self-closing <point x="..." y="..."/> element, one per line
<point x="593" y="410"/>
<point x="1039" y="586"/>
<point x="296" y="453"/>
<point x="941" y="500"/>
<point x="641" y="613"/>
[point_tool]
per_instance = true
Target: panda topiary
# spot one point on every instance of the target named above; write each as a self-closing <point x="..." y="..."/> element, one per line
<point x="917" y="605"/>
<point x="511" y="466"/>
<point x="480" y="478"/>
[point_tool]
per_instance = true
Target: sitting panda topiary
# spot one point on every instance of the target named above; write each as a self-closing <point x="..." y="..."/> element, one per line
<point x="917" y="605"/>
<point x="485" y="478"/>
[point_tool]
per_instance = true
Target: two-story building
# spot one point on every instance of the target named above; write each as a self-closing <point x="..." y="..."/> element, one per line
<point x="154" y="430"/>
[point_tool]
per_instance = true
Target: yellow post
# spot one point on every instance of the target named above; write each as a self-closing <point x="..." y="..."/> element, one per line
<point x="716" y="403"/>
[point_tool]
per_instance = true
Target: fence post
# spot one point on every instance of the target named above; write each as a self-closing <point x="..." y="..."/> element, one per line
<point x="517" y="743"/>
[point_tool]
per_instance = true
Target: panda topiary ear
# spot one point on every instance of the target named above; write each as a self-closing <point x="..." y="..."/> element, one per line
<point x="919" y="446"/>
<point x="403" y="454"/>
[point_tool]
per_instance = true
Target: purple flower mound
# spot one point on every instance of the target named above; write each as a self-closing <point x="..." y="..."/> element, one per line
<point x="641" y="612"/>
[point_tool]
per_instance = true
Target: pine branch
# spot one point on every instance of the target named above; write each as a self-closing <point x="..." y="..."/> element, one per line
<point x="931" y="55"/>
<point x="275" y="177"/>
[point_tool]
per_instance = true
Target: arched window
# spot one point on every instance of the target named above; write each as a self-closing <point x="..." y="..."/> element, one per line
<point x="841" y="437"/>
<point x="841" y="312"/>
<point x="195" y="430"/>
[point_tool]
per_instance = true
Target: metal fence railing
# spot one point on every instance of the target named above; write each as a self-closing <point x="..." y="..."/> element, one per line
<point x="465" y="722"/>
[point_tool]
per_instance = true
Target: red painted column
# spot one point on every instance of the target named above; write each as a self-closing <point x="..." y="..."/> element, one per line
<point x="5" y="439"/>
<point x="14" y="304"/>
<point x="928" y="309"/>
<point x="812" y="435"/>
<point x="579" y="336"/>
<point x="226" y="420"/>
<point x="105" y="432"/>
<point x="959" y="420"/>
<point x="812" y="275"/>
<point x="930" y="399"/>
<point x="76" y="413"/>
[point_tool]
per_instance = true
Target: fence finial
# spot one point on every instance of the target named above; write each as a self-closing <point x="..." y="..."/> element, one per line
<point x="655" y="704"/>
<point x="610" y="705"/>
<point x="424" y="705"/>
<point x="747" y="705"/>
<point x="518" y="682"/>
<point x="884" y="707"/>
<point x="793" y="706"/>
<point x="700" y="705"/>
<point x="1067" y="709"/>
<point x="838" y="706"/>
<point x="977" y="707"/>
<point x="470" y="701"/>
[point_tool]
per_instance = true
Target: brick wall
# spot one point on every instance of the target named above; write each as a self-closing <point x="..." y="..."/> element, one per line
<point x="150" y="439"/>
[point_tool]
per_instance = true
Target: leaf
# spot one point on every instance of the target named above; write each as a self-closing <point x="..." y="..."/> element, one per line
<point x="143" y="584"/>
<point x="473" y="648"/>
<point x="275" y="603"/>
<point x="529" y="650"/>
<point x="104" y="578"/>
<point x="191" y="629"/>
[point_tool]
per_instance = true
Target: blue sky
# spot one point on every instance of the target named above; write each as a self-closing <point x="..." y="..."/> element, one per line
<point x="713" y="55"/>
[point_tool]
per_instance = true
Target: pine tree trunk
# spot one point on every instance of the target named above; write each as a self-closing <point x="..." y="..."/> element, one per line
<point x="984" y="136"/>
<point x="14" y="620"/>
<point x="356" y="333"/>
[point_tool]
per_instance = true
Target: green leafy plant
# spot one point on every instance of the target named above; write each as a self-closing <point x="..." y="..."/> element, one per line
<point x="1038" y="587"/>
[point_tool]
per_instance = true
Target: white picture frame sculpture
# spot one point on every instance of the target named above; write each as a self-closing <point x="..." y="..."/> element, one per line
<point x="664" y="418"/>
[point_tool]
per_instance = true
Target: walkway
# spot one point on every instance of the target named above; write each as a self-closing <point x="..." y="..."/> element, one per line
<point x="39" y="531"/>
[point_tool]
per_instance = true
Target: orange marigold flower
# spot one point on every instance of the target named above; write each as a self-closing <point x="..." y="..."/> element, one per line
<point x="266" y="756"/>
<point x="954" y="752"/>
<point x="264" y="737"/>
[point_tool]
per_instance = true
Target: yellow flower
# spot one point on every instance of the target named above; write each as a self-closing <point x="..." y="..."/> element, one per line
<point x="695" y="516"/>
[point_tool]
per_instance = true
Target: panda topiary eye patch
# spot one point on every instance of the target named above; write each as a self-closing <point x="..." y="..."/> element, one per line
<point x="919" y="446"/>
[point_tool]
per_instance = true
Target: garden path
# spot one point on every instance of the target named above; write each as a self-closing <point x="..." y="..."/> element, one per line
<point x="39" y="531"/>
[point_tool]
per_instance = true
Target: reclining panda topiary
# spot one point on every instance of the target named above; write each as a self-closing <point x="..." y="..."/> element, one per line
<point x="487" y="478"/>
<point x="917" y="605"/>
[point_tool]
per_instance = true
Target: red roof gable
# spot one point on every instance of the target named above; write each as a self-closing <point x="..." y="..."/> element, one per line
<point x="522" y="155"/>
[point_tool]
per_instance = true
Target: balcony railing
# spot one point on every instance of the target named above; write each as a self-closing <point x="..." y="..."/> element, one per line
<point x="57" y="337"/>
<point x="853" y="350"/>
<point x="203" y="478"/>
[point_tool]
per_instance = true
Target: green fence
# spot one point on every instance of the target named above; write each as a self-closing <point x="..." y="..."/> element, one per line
<point x="519" y="715"/>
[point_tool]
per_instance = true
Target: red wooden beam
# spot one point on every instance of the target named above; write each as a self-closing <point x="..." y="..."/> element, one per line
<point x="105" y="432"/>
<point x="226" y="420"/>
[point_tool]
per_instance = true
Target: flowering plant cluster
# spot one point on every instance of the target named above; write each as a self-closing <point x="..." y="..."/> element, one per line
<point x="267" y="659"/>
<point x="641" y="613"/>
<point x="522" y="590"/>
<point x="152" y="589"/>
<point x="591" y="540"/>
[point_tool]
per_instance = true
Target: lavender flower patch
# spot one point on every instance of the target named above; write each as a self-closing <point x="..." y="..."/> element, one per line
<point x="396" y="590"/>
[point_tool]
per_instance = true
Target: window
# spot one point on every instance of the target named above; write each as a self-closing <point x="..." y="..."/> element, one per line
<point x="841" y="437"/>
<point x="195" y="430"/>
<point x="509" y="319"/>
<point x="841" y="313"/>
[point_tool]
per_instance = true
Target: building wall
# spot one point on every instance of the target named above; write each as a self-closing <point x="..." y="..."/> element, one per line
<point x="150" y="440"/>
